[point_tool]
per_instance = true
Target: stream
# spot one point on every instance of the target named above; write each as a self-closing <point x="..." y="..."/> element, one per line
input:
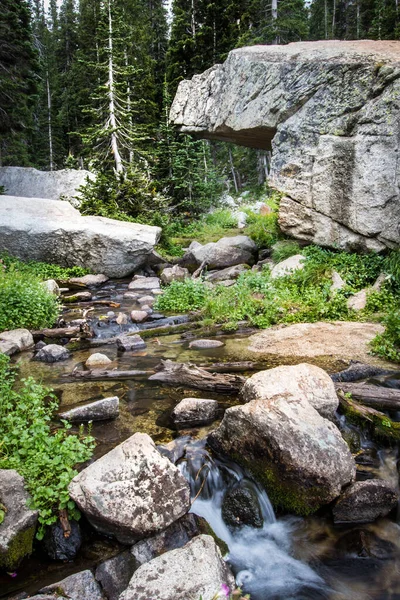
<point x="287" y="558"/>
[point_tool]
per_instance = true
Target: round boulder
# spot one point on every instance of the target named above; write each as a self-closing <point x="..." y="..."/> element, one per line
<point x="97" y="360"/>
<point x="365" y="501"/>
<point x="52" y="353"/>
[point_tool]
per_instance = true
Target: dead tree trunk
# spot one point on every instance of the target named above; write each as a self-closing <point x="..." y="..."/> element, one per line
<point x="189" y="375"/>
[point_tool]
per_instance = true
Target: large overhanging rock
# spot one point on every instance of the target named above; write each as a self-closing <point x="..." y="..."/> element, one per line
<point x="330" y="113"/>
<point x="56" y="185"/>
<point x="55" y="232"/>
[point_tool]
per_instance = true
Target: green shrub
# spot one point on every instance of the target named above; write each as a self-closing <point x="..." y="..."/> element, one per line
<point x="182" y="296"/>
<point x="45" y="458"/>
<point x="387" y="344"/>
<point x="25" y="303"/>
<point x="40" y="269"/>
<point x="391" y="266"/>
<point x="264" y="229"/>
<point x="285" y="249"/>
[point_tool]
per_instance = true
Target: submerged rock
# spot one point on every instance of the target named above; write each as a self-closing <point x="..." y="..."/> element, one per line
<point x="294" y="383"/>
<point x="240" y="507"/>
<point x="201" y="574"/>
<point x="115" y="574"/>
<point x="132" y="491"/>
<point x="365" y="501"/>
<point x="15" y="340"/>
<point x="42" y="230"/>
<point x="205" y="344"/>
<point x="100" y="410"/>
<point x="52" y="353"/>
<point x="59" y="547"/>
<point x="191" y="412"/>
<point x="80" y="586"/>
<point x="130" y="342"/>
<point x="19" y="525"/>
<point x="97" y="360"/>
<point x="300" y="457"/>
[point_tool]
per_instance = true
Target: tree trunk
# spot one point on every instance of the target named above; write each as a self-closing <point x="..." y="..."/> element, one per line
<point x="372" y="395"/>
<point x="51" y="160"/>
<point x="111" y="96"/>
<point x="100" y="374"/>
<point x="233" y="171"/>
<point x="189" y="375"/>
<point x="377" y="422"/>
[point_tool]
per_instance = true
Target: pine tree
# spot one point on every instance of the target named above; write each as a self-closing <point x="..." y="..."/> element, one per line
<point x="17" y="82"/>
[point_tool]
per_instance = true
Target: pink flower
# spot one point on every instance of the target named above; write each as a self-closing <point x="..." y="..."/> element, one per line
<point x="225" y="590"/>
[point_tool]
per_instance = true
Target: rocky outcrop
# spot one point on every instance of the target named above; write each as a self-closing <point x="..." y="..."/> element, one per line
<point x="55" y="232"/>
<point x="132" y="491"/>
<point x="299" y="456"/>
<point x="19" y="525"/>
<point x="329" y="111"/>
<point x="55" y="185"/>
<point x="201" y="574"/>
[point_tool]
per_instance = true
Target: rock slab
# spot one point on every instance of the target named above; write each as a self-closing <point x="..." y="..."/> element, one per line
<point x="329" y="111"/>
<point x="201" y="574"/>
<point x="55" y="232"/>
<point x="132" y="491"/>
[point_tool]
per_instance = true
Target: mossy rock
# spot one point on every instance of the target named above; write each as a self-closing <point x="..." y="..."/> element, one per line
<point x="206" y="529"/>
<point x="17" y="549"/>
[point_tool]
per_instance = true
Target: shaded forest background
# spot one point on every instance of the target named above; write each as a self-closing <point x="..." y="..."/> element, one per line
<point x="88" y="84"/>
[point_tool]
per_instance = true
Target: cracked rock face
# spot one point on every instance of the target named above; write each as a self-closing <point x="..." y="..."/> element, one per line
<point x="132" y="491"/>
<point x="330" y="112"/>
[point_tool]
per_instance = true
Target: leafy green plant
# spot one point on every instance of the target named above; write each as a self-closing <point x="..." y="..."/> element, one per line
<point x="264" y="228"/>
<point x="387" y="344"/>
<point x="391" y="266"/>
<point x="24" y="302"/>
<point x="45" y="458"/>
<point x="182" y="296"/>
<point x="285" y="249"/>
<point x="40" y="269"/>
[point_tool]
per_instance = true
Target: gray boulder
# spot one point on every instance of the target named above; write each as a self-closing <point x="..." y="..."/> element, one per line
<point x="175" y="273"/>
<point x="227" y="274"/>
<point x="365" y="501"/>
<point x="16" y="340"/>
<point x="334" y="154"/>
<point x="52" y="353"/>
<point x="227" y="252"/>
<point x="55" y="185"/>
<point x="100" y="410"/>
<point x="201" y="574"/>
<point x="191" y="412"/>
<point x="115" y="574"/>
<point x="139" y="282"/>
<point x="55" y="232"/>
<point x="88" y="280"/>
<point x="288" y="266"/>
<point x="130" y="342"/>
<point x="300" y="457"/>
<point x="295" y="382"/>
<point x="132" y="491"/>
<point x="80" y="586"/>
<point x="19" y="525"/>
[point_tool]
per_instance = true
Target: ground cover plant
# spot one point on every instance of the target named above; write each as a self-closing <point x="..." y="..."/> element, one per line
<point x="39" y="269"/>
<point x="45" y="457"/>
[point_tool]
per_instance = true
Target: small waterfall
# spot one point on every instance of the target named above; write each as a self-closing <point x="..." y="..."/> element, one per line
<point x="261" y="558"/>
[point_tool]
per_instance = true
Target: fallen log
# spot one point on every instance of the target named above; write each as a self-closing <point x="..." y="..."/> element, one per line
<point x="357" y="371"/>
<point x="101" y="374"/>
<point x="63" y="332"/>
<point x="372" y="395"/>
<point x="234" y="367"/>
<point x="189" y="375"/>
<point x="379" y="424"/>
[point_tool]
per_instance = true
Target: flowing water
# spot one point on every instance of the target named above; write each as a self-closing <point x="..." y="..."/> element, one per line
<point x="288" y="558"/>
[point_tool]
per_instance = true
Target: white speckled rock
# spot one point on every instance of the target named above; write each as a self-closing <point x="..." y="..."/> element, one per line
<point x="190" y="573"/>
<point x="100" y="410"/>
<point x="97" y="360"/>
<point x="132" y="491"/>
<point x="296" y="382"/>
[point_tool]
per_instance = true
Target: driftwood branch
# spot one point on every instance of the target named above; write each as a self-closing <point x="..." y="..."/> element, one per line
<point x="66" y="332"/>
<point x="101" y="374"/>
<point x="371" y="395"/>
<point x="189" y="375"/>
<point x="377" y="422"/>
<point x="234" y="367"/>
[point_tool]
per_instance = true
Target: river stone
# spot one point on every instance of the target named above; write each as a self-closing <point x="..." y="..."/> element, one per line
<point x="100" y="410"/>
<point x="59" y="547"/>
<point x="52" y="287"/>
<point x="97" y="360"/>
<point x="300" y="457"/>
<point x="132" y="491"/>
<point x="205" y="344"/>
<point x="52" y="353"/>
<point x="78" y="297"/>
<point x="175" y="536"/>
<point x="19" y="525"/>
<point x="130" y="342"/>
<point x="55" y="232"/>
<point x="80" y="586"/>
<point x="294" y="382"/>
<point x="240" y="507"/>
<point x="365" y="501"/>
<point x="15" y="340"/>
<point x="89" y="280"/>
<point x="227" y="252"/>
<point x="227" y="274"/>
<point x="334" y="154"/>
<point x="288" y="266"/>
<point x="191" y="412"/>
<point x="115" y="574"/>
<point x="175" y="273"/>
<point x="139" y="282"/>
<point x="201" y="573"/>
<point x="146" y="300"/>
<point x="138" y="316"/>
